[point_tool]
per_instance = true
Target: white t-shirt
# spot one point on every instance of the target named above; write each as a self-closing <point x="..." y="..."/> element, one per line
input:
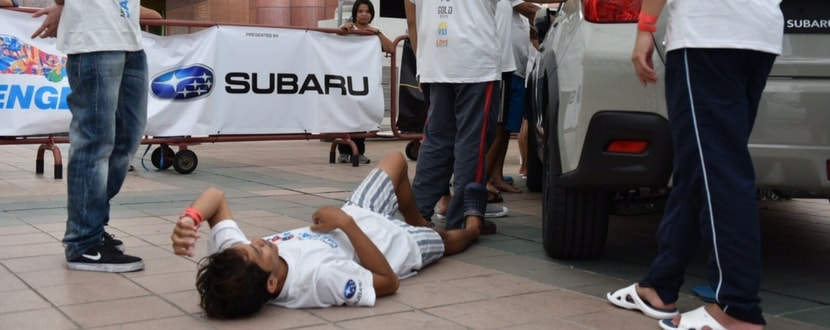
<point x="504" y="30"/>
<point x="323" y="268"/>
<point x="456" y="41"/>
<point x="99" y="25"/>
<point x="520" y="28"/>
<point x="734" y="24"/>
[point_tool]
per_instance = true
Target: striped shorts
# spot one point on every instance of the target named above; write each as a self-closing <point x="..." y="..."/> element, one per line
<point x="377" y="194"/>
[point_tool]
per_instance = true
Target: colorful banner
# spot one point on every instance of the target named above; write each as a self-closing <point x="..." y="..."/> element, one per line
<point x="221" y="80"/>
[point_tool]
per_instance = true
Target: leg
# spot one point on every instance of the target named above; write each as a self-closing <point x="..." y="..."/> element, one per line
<point x="497" y="152"/>
<point x="475" y="116"/>
<point x="130" y="120"/>
<point x="435" y="156"/>
<point x="475" y="204"/>
<point x="458" y="240"/>
<point x="495" y="162"/>
<point x="396" y="168"/>
<point x="523" y="147"/>
<point x="93" y="104"/>
<point x="725" y="87"/>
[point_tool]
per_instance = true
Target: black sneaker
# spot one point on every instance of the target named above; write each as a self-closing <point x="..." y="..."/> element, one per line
<point x="110" y="241"/>
<point x="100" y="258"/>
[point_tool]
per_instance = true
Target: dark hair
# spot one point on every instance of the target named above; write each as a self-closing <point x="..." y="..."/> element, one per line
<point x="230" y="287"/>
<point x="356" y="6"/>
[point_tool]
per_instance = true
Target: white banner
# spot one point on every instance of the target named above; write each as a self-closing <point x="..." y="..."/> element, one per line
<point x="222" y="80"/>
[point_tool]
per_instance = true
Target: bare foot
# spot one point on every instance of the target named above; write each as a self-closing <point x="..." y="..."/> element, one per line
<point x="443" y="204"/>
<point x="502" y="185"/>
<point x="650" y="295"/>
<point x="724" y="319"/>
<point x="727" y="321"/>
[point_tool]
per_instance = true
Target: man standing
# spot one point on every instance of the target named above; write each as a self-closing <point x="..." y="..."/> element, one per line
<point x="107" y="71"/>
<point x="458" y="58"/>
<point x="718" y="57"/>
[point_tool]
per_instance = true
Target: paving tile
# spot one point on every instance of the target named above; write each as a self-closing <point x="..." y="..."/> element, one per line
<point x="114" y="287"/>
<point x="271" y="317"/>
<point x="178" y="322"/>
<point x="10" y="281"/>
<point x="340" y="314"/>
<point x="21" y="300"/>
<point x="187" y="301"/>
<point x="404" y="320"/>
<point x="49" y="318"/>
<point x="167" y="283"/>
<point x="504" y="281"/>
<point x="121" y="311"/>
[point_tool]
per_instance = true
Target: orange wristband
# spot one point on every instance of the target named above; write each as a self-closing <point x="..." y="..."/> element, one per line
<point x="194" y="214"/>
<point x="647" y="23"/>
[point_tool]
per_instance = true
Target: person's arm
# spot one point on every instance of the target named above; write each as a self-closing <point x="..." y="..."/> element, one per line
<point x="385" y="43"/>
<point x="411" y="26"/>
<point x="211" y="206"/>
<point x="527" y="9"/>
<point x="49" y="27"/>
<point x="147" y="13"/>
<point x="641" y="57"/>
<point x="384" y="279"/>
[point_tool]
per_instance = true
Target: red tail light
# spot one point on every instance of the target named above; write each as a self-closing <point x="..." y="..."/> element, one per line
<point x="612" y="11"/>
<point x="627" y="146"/>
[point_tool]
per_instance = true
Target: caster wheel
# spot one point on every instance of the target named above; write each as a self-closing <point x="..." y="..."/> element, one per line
<point x="157" y="160"/>
<point x="412" y="149"/>
<point x="185" y="161"/>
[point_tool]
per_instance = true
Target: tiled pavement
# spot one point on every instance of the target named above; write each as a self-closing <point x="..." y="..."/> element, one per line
<point x="503" y="282"/>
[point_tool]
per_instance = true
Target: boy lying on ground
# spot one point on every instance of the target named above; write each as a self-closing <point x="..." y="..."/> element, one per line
<point x="348" y="256"/>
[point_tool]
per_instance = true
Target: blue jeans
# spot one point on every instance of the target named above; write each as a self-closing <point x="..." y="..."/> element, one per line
<point x="109" y="112"/>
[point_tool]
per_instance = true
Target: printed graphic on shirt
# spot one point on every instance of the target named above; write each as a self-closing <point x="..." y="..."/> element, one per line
<point x="125" y="9"/>
<point x="353" y="292"/>
<point x="350" y="290"/>
<point x="443" y="10"/>
<point x="287" y="236"/>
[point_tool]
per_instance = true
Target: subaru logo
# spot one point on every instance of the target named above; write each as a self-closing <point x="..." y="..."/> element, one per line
<point x="350" y="290"/>
<point x="183" y="83"/>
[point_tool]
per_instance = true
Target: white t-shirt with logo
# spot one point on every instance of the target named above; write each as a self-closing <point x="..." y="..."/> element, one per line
<point x="734" y="24"/>
<point x="323" y="268"/>
<point x="99" y="25"/>
<point x="457" y="41"/>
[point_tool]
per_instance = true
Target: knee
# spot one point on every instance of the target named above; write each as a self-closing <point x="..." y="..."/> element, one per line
<point x="395" y="159"/>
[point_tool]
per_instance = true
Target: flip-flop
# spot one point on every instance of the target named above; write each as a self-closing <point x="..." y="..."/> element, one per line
<point x="629" y="299"/>
<point x="696" y="319"/>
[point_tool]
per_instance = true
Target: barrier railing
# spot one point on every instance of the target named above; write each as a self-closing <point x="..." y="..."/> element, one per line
<point x="185" y="161"/>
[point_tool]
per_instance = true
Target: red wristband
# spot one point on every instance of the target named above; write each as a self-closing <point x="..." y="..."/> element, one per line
<point x="194" y="214"/>
<point x="647" y="22"/>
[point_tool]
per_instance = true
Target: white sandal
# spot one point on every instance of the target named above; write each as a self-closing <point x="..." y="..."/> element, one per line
<point x="629" y="299"/>
<point x="696" y="319"/>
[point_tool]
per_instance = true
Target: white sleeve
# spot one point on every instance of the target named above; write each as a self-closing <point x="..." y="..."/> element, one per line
<point x="344" y="282"/>
<point x="223" y="235"/>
